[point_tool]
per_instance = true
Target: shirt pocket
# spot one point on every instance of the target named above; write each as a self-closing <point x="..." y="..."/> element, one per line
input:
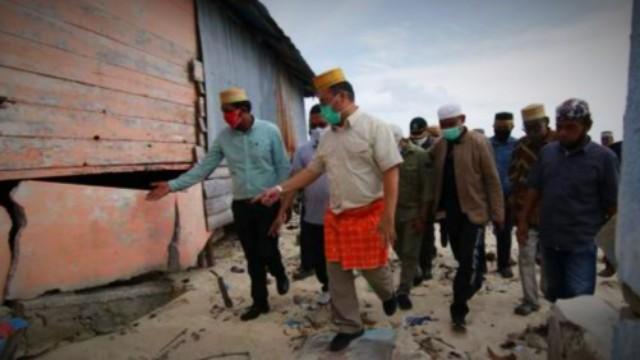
<point x="358" y="154"/>
<point x="260" y="150"/>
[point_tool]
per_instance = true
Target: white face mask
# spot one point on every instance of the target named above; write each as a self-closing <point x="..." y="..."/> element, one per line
<point x="419" y="142"/>
<point x="317" y="133"/>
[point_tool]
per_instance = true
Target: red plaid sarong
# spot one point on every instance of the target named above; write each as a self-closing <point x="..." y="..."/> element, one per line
<point x="352" y="239"/>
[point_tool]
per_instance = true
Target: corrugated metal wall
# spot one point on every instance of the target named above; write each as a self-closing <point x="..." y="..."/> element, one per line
<point x="233" y="56"/>
<point x="95" y="86"/>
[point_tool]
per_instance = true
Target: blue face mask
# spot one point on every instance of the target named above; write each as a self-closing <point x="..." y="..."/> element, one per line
<point x="452" y="134"/>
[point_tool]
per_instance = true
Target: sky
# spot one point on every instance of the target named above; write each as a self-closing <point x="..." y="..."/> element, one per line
<point x="406" y="58"/>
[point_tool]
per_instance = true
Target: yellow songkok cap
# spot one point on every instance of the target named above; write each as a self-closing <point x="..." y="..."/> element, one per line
<point x="533" y="112"/>
<point x="233" y="95"/>
<point x="329" y="78"/>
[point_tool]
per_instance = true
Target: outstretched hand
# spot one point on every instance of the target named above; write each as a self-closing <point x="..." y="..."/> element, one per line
<point x="269" y="196"/>
<point x="159" y="190"/>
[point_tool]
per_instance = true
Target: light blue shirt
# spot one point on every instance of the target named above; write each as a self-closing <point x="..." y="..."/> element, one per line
<point x="256" y="160"/>
<point x="316" y="195"/>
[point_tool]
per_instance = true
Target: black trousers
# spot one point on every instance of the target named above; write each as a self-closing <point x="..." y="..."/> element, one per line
<point x="503" y="238"/>
<point x="252" y="223"/>
<point x="428" y="249"/>
<point x="467" y="242"/>
<point x="312" y="245"/>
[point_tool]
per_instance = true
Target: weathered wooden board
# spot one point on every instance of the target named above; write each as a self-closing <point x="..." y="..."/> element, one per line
<point x="41" y="24"/>
<point x="88" y="170"/>
<point x="43" y="90"/>
<point x="154" y="16"/>
<point x="27" y="55"/>
<point x="27" y="153"/>
<point x="27" y="120"/>
<point x="92" y="16"/>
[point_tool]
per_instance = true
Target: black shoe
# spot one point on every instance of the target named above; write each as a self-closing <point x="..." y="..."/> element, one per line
<point x="283" y="285"/>
<point x="427" y="274"/>
<point x="390" y="306"/>
<point x="417" y="280"/>
<point x="404" y="302"/>
<point x="459" y="325"/>
<point x="254" y="311"/>
<point x="302" y="274"/>
<point x="342" y="340"/>
<point x="506" y="273"/>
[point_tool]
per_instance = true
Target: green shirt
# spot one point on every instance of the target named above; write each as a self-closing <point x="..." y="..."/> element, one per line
<point x="415" y="188"/>
<point x="256" y="158"/>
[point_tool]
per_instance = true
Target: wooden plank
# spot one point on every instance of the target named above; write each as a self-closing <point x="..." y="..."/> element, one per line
<point x="36" y="89"/>
<point x="26" y="55"/>
<point x="88" y="170"/>
<point x="218" y="204"/>
<point x="41" y="22"/>
<point x="219" y="220"/>
<point x="160" y="18"/>
<point x="26" y="120"/>
<point x="90" y="15"/>
<point x="217" y="187"/>
<point x="26" y="153"/>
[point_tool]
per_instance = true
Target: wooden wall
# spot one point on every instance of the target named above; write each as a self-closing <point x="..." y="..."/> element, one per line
<point x="89" y="86"/>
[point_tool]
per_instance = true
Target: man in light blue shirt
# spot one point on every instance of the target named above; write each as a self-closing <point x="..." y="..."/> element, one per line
<point x="257" y="160"/>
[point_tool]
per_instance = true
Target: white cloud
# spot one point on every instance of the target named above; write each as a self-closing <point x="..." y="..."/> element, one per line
<point x="587" y="59"/>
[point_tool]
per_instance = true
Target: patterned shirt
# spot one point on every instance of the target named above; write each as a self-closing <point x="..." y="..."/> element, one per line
<point x="524" y="157"/>
<point x="256" y="159"/>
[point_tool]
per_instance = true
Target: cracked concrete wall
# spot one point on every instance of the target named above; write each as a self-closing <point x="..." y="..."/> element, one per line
<point x="79" y="236"/>
<point x="5" y="251"/>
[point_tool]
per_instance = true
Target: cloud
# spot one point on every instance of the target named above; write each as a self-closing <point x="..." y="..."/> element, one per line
<point x="586" y="59"/>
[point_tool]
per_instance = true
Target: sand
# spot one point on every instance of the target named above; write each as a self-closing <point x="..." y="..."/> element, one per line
<point x="196" y="325"/>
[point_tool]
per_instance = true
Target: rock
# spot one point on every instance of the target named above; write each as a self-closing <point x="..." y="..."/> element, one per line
<point x="373" y="345"/>
<point x="626" y="336"/>
<point x="581" y="329"/>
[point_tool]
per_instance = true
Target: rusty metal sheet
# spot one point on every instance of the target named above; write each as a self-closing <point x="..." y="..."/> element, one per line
<point x="79" y="236"/>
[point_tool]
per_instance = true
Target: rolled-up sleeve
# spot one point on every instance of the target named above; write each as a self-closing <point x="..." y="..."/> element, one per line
<point x="200" y="171"/>
<point x="385" y="149"/>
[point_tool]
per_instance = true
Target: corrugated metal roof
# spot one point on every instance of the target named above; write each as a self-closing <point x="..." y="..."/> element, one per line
<point x="256" y="17"/>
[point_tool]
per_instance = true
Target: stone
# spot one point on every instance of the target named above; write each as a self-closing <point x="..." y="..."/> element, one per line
<point x="581" y="329"/>
<point x="375" y="344"/>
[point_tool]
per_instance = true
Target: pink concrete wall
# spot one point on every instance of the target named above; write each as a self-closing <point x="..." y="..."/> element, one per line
<point x="79" y="236"/>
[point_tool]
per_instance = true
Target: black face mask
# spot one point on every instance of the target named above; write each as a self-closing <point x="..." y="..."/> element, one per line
<point x="502" y="135"/>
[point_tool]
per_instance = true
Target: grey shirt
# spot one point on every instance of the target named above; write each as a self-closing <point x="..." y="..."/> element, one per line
<point x="577" y="188"/>
<point x="316" y="195"/>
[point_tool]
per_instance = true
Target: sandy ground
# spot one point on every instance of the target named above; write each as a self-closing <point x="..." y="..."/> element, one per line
<point x="196" y="325"/>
